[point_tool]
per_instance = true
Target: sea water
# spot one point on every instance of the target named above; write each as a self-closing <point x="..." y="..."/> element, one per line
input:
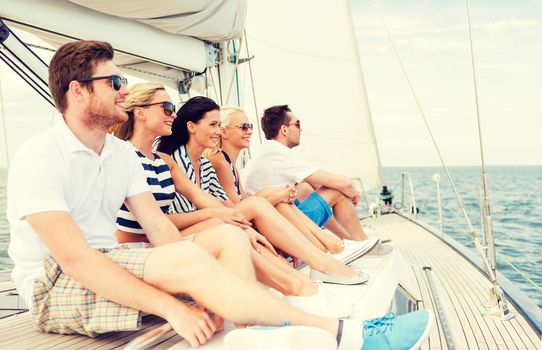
<point x="516" y="210"/>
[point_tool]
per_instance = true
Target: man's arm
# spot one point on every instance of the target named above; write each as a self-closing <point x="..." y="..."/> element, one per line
<point x="93" y="269"/>
<point x="158" y="228"/>
<point x="338" y="182"/>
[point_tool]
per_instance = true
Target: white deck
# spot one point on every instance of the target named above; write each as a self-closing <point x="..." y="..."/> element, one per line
<point x="462" y="289"/>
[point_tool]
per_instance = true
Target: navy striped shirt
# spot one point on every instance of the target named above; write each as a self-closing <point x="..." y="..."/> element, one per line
<point x="208" y="180"/>
<point x="234" y="173"/>
<point x="161" y="186"/>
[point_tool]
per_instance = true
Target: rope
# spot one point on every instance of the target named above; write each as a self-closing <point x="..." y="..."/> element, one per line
<point x="253" y="91"/>
<point x="488" y="225"/>
<point x="214" y="85"/>
<point x="527" y="278"/>
<point x="473" y="233"/>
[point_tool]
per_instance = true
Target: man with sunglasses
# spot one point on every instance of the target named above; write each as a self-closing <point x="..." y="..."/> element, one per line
<point x="328" y="199"/>
<point x="65" y="187"/>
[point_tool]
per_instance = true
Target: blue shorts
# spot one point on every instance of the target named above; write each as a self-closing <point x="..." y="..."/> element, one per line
<point x="316" y="208"/>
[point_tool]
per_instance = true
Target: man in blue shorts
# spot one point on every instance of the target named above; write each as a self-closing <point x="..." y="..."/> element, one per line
<point x="328" y="199"/>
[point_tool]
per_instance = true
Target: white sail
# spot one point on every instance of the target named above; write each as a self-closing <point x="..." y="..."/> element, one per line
<point x="312" y="65"/>
<point x="306" y="56"/>
<point x="210" y="20"/>
<point x="142" y="45"/>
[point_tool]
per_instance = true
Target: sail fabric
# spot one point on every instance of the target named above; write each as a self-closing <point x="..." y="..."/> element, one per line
<point x="209" y="20"/>
<point x="306" y="56"/>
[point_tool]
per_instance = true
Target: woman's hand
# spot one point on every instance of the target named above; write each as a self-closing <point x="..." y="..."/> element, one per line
<point x="287" y="194"/>
<point x="258" y="240"/>
<point x="231" y="216"/>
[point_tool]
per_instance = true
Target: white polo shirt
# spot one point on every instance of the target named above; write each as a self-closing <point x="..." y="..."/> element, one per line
<point x="54" y="171"/>
<point x="274" y="166"/>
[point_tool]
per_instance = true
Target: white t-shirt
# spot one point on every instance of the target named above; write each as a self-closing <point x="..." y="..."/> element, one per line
<point x="274" y="166"/>
<point x="54" y="171"/>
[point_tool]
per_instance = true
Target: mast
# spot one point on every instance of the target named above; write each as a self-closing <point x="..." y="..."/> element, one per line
<point x="497" y="305"/>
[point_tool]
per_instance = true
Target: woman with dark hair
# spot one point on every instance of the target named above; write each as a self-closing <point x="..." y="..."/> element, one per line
<point x="151" y="115"/>
<point x="197" y="128"/>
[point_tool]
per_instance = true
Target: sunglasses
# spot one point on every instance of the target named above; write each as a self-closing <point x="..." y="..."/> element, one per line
<point x="169" y="108"/>
<point x="245" y="126"/>
<point x="116" y="81"/>
<point x="297" y="124"/>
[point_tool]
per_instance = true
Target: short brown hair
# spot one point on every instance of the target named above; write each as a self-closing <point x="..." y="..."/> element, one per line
<point x="273" y="118"/>
<point x="75" y="61"/>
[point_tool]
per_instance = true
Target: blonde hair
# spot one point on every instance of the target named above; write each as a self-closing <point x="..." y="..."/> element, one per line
<point x="225" y="120"/>
<point x="140" y="94"/>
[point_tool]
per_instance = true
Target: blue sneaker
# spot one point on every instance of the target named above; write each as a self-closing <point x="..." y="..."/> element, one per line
<point x="392" y="332"/>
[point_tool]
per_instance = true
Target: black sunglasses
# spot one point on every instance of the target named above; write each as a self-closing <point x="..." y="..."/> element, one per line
<point x="116" y="81"/>
<point x="297" y="124"/>
<point x="245" y="126"/>
<point x="169" y="108"/>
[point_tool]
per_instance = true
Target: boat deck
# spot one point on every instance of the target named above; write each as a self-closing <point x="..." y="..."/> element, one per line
<point x="461" y="287"/>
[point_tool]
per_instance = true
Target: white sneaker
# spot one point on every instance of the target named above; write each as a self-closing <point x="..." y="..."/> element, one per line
<point x="284" y="338"/>
<point x="354" y="250"/>
<point x="358" y="278"/>
<point x="324" y="303"/>
<point x="380" y="250"/>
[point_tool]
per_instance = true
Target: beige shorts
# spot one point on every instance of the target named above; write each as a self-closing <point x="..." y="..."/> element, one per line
<point x="60" y="304"/>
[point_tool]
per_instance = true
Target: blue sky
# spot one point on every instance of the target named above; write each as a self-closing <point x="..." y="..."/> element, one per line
<point x="432" y="40"/>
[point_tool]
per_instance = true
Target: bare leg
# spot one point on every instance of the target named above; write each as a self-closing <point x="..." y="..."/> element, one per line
<point x="332" y="243"/>
<point x="346" y="224"/>
<point x="270" y="270"/>
<point x="227" y="245"/>
<point x="201" y="226"/>
<point x="190" y="270"/>
<point x="334" y="226"/>
<point x="274" y="273"/>
<point x="304" y="190"/>
<point x="282" y="234"/>
<point x="345" y="213"/>
<point x="313" y="233"/>
<point x="286" y="211"/>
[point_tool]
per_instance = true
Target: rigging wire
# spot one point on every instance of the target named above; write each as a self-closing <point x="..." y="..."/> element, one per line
<point x="27" y="79"/>
<point x="15" y="66"/>
<point x="22" y="43"/>
<point x="4" y="127"/>
<point x="473" y="233"/>
<point x="217" y="96"/>
<point x="488" y="225"/>
<point x="253" y="89"/>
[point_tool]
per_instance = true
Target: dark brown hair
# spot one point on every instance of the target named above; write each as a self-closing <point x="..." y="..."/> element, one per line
<point x="273" y="118"/>
<point x="192" y="111"/>
<point x="75" y="61"/>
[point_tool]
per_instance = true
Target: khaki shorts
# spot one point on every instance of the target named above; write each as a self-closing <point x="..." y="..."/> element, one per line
<point x="60" y="304"/>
